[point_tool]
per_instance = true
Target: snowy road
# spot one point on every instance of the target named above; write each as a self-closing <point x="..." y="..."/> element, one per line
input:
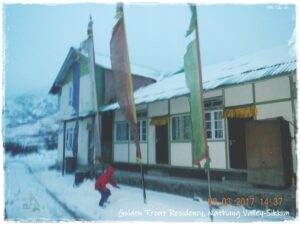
<point x="27" y="199"/>
<point x="34" y="193"/>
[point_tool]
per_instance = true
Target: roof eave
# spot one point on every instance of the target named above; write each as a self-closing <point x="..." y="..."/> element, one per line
<point x="56" y="87"/>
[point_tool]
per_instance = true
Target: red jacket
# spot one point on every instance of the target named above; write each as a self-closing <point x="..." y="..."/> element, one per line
<point x="105" y="178"/>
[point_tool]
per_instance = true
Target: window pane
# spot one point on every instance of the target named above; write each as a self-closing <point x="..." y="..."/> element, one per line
<point x="219" y="133"/>
<point x="187" y="128"/>
<point x="208" y="134"/>
<point x="143" y="134"/>
<point x="218" y="115"/>
<point x="208" y="125"/>
<point x="207" y="116"/>
<point x="175" y="128"/>
<point x="218" y="125"/>
<point x="122" y="132"/>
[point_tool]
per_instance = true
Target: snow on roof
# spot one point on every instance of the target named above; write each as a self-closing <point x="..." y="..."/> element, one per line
<point x="258" y="60"/>
<point x="270" y="62"/>
<point x="104" y="61"/>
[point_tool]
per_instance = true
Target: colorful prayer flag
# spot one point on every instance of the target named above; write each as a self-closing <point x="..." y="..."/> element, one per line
<point x="193" y="76"/>
<point x="122" y="76"/>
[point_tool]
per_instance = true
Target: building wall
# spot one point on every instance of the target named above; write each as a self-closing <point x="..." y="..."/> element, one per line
<point x="65" y="109"/>
<point x="268" y="90"/>
<point x="272" y="98"/>
<point x="217" y="151"/>
<point x="82" y="156"/>
<point x="132" y="152"/>
<point x="158" y="109"/>
<point x="68" y="152"/>
<point x="181" y="154"/>
<point x="86" y="103"/>
<point x="121" y="152"/>
<point x="179" y="105"/>
<point x="213" y="93"/>
<point x="60" y="143"/>
<point x="238" y="95"/>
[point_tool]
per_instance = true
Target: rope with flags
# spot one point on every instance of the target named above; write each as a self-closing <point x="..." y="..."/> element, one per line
<point x="193" y="75"/>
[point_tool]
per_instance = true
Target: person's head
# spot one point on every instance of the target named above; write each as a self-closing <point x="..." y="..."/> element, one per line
<point x="110" y="170"/>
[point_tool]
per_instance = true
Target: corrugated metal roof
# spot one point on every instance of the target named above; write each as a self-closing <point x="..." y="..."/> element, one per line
<point x="267" y="63"/>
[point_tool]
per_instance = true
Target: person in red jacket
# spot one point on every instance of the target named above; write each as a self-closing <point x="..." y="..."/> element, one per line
<point x="101" y="182"/>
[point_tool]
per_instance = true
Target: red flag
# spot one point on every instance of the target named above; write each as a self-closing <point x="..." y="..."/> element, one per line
<point x="122" y="76"/>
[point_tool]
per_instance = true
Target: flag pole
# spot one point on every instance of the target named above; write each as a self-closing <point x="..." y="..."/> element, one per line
<point x="203" y="115"/>
<point x="143" y="183"/>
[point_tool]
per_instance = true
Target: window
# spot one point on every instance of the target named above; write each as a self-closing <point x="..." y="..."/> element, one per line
<point x="70" y="100"/>
<point x="122" y="131"/>
<point x="181" y="128"/>
<point x="142" y="129"/>
<point x="213" y="103"/>
<point x="214" y="125"/>
<point x="70" y="134"/>
<point x="142" y="125"/>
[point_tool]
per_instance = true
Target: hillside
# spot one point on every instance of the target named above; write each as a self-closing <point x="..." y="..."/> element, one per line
<point x="29" y="120"/>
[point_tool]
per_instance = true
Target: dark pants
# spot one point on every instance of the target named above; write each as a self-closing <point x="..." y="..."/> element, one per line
<point x="104" y="196"/>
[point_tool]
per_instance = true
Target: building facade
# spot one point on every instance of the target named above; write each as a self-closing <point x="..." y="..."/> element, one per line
<point x="244" y="90"/>
<point x="75" y="142"/>
<point x="165" y="125"/>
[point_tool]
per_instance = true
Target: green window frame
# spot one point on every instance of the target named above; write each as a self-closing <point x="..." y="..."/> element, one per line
<point x="181" y="128"/>
<point x="214" y="125"/>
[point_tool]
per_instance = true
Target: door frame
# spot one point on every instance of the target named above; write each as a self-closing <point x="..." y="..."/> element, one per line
<point x="228" y="143"/>
<point x="167" y="143"/>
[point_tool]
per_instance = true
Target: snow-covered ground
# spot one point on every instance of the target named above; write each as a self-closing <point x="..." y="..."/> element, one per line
<point x="28" y="183"/>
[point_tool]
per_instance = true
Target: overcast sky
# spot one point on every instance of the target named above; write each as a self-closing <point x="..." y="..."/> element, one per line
<point x="37" y="38"/>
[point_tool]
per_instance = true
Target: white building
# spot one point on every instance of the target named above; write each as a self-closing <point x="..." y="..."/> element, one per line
<point x="254" y="87"/>
<point x="262" y="85"/>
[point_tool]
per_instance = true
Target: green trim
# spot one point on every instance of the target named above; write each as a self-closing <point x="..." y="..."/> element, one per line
<point x="254" y="81"/>
<point x="84" y="70"/>
<point x="212" y="98"/>
<point x="141" y="142"/>
<point x="293" y="107"/>
<point x="216" y="140"/>
<point x="113" y="135"/>
<point x="223" y="92"/>
<point x="273" y="101"/>
<point x="128" y="150"/>
<point x="180" y="114"/>
<point x="68" y="77"/>
<point x="169" y="134"/>
<point x="189" y="100"/>
<point x="99" y="79"/>
<point x="253" y="94"/>
<point x="226" y="143"/>
<point x="148" y="124"/>
<point x="226" y="135"/>
<point x="181" y="141"/>
<point x="228" y="86"/>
